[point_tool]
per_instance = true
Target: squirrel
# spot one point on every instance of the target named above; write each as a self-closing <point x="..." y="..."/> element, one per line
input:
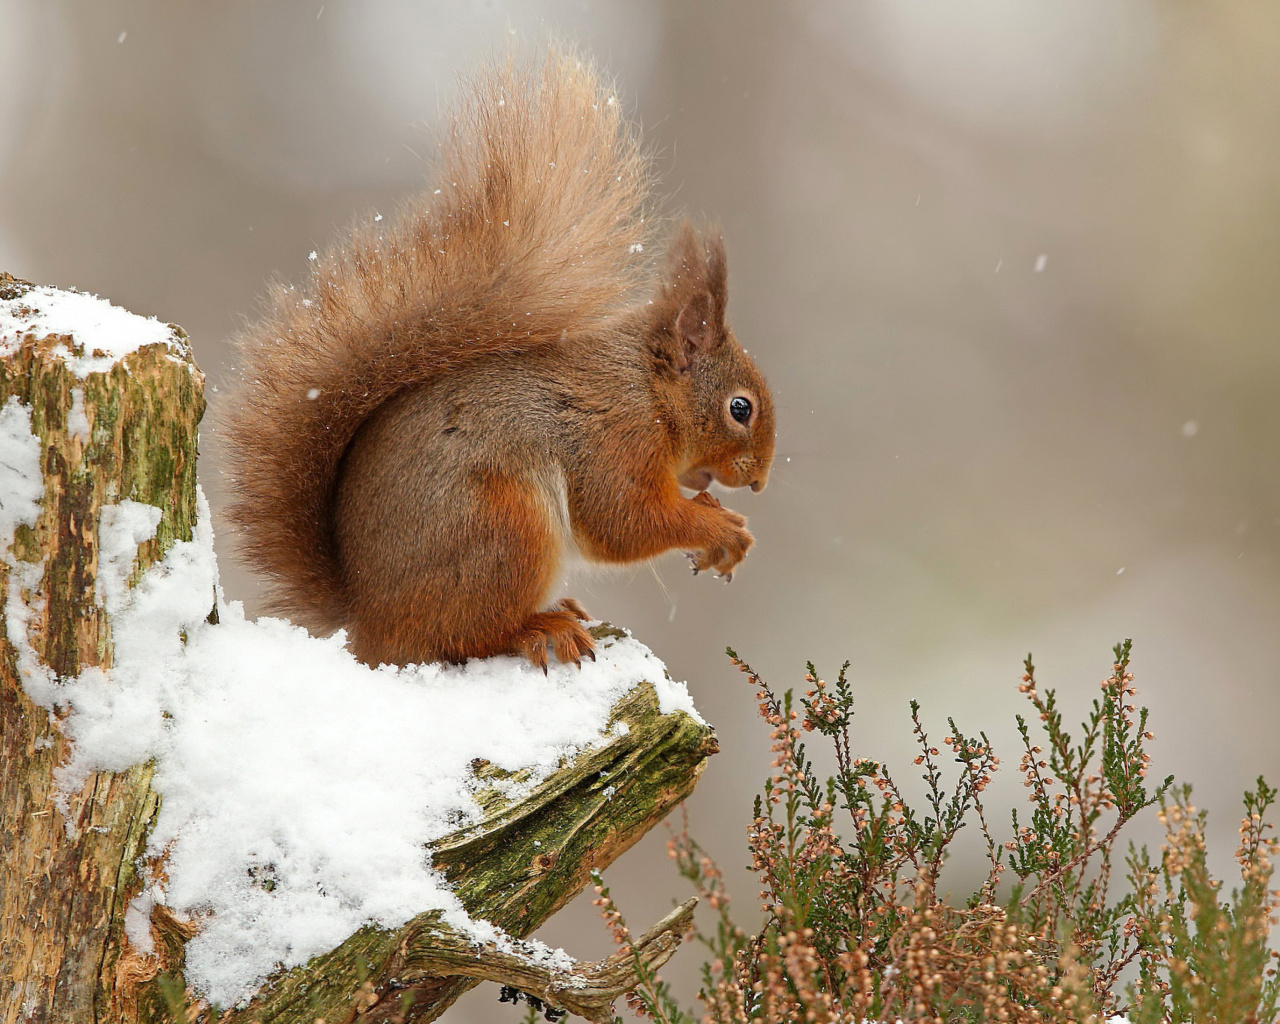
<point x="459" y="403"/>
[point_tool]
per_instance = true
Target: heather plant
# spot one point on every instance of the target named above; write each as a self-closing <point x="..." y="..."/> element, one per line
<point x="855" y="928"/>
<point x="1202" y="960"/>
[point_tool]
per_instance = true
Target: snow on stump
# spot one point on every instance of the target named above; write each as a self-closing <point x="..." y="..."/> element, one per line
<point x="207" y="816"/>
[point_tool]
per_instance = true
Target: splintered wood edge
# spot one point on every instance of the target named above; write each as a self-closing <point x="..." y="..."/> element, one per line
<point x="587" y="989"/>
<point x="515" y="868"/>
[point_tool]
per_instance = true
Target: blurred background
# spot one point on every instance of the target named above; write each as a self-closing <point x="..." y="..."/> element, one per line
<point x="1012" y="269"/>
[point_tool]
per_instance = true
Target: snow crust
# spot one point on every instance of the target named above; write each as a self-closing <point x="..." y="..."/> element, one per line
<point x="21" y="488"/>
<point x="301" y="789"/>
<point x="21" y="483"/>
<point x="77" y="420"/>
<point x="112" y="332"/>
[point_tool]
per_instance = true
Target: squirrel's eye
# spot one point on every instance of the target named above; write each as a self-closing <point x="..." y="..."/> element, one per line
<point x="740" y="409"/>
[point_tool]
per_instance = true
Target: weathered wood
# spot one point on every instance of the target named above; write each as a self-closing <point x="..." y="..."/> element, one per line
<point x="515" y="869"/>
<point x="67" y="875"/>
<point x="588" y="990"/>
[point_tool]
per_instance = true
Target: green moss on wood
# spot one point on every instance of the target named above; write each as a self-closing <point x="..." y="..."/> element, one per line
<point x="65" y="882"/>
<point x="516" y="868"/>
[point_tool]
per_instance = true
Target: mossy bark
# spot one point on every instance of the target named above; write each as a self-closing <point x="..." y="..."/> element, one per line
<point x="69" y="862"/>
<point x="516" y="868"/>
<point x="67" y="872"/>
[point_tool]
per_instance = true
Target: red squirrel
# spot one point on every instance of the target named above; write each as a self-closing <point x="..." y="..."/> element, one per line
<point x="460" y="402"/>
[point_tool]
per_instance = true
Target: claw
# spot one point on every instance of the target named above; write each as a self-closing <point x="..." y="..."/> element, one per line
<point x="728" y="577"/>
<point x="591" y="654"/>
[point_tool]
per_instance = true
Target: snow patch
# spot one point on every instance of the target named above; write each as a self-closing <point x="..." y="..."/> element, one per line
<point x="21" y="491"/>
<point x="103" y="334"/>
<point x="77" y="421"/>
<point x="21" y="482"/>
<point x="120" y="530"/>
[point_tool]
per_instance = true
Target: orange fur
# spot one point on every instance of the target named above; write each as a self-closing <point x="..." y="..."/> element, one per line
<point x="422" y="434"/>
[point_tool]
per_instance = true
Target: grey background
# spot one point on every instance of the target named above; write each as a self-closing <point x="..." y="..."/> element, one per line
<point x="977" y="458"/>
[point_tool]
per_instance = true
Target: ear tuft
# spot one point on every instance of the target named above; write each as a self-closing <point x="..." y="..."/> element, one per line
<point x="694" y="291"/>
<point x="686" y="262"/>
<point x="717" y="276"/>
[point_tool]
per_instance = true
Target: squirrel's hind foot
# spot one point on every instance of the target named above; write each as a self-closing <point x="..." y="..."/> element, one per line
<point x="560" y="631"/>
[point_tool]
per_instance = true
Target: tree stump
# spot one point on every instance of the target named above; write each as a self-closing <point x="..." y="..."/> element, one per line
<point x="67" y="873"/>
<point x="115" y="428"/>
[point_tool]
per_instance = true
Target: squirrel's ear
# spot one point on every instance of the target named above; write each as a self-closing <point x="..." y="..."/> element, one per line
<point x="695" y="325"/>
<point x="696" y="290"/>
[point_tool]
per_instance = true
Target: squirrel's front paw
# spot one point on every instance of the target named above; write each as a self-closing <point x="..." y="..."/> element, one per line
<point x="730" y="542"/>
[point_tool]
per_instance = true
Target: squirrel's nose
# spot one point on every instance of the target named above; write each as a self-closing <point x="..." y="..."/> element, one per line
<point x="760" y="483"/>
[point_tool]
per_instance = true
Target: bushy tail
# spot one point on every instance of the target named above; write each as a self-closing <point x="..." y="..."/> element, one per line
<point x="532" y="233"/>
